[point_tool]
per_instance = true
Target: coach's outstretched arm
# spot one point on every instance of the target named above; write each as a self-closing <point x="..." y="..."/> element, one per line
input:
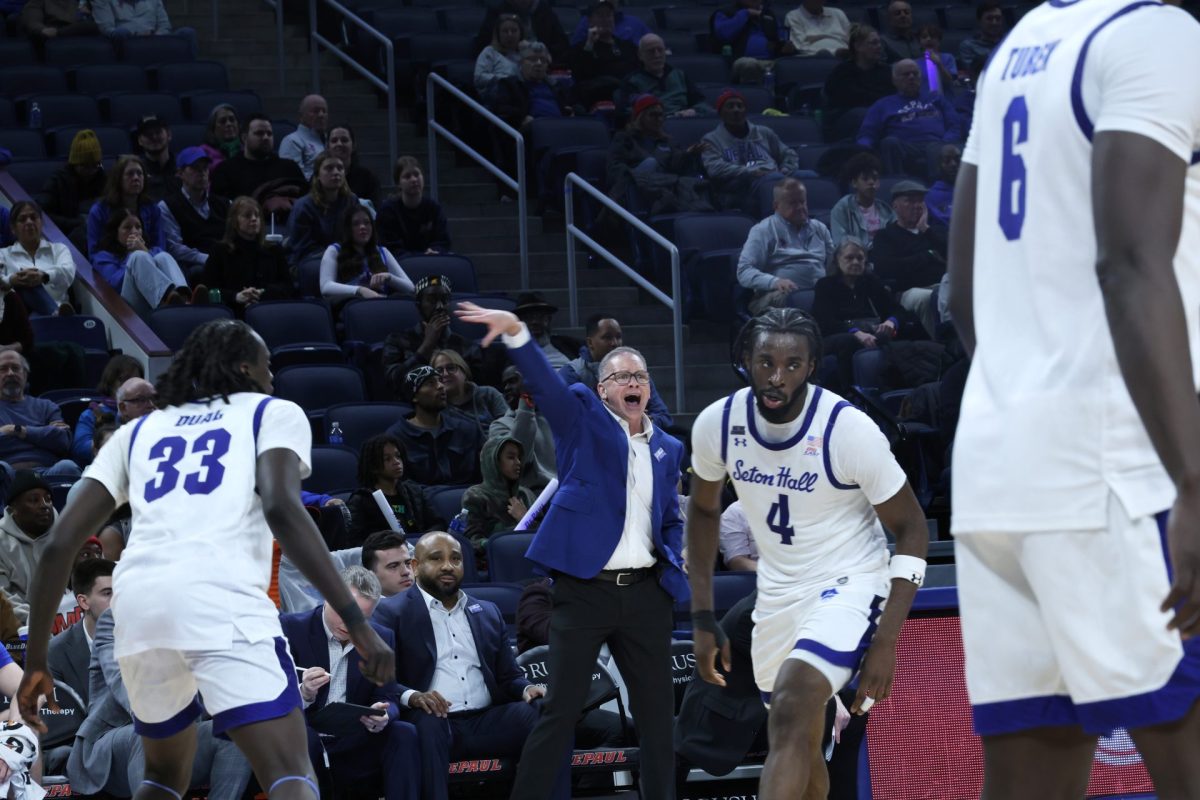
<point x="902" y="515"/>
<point x="1137" y="193"/>
<point x="278" y="477"/>
<point x="703" y="530"/>
<point x="90" y="507"/>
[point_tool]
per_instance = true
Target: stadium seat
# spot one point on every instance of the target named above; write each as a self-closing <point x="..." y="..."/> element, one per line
<point x="24" y="80"/>
<point x="686" y="131"/>
<point x="65" y="109"/>
<point x="568" y="17"/>
<point x="431" y="47"/>
<point x="24" y="144"/>
<point x="361" y="421"/>
<point x="32" y="175"/>
<point x="801" y="70"/>
<point x="85" y="331"/>
<point x="8" y="113"/>
<point x="315" y="387"/>
<point x="684" y="18"/>
<point x="957" y="18"/>
<point x="679" y="43"/>
<point x="475" y="332"/>
<point x="128" y="108"/>
<point x="446" y="501"/>
<point x="703" y="69"/>
<point x="113" y="140"/>
<point x="369" y="322"/>
<point x="191" y="76"/>
<point x="506" y="557"/>
<point x="792" y="130"/>
<point x="463" y="20"/>
<point x="76" y="51"/>
<point x="867" y="367"/>
<point x="810" y="155"/>
<point x="71" y="402"/>
<point x="187" y="134"/>
<point x="97" y="79"/>
<point x="296" y="332"/>
<point x="507" y="596"/>
<point x="708" y="247"/>
<point x="16" y="51"/>
<point x="459" y="269"/>
<point x="334" y="469"/>
<point x="282" y="127"/>
<point x="802" y="299"/>
<point x="393" y="22"/>
<point x="148" y="50"/>
<point x="730" y="587"/>
<point x="173" y="324"/>
<point x="683" y="668"/>
<point x="200" y="104"/>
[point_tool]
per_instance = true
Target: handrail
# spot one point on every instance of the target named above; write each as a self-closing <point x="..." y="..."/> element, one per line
<point x="437" y="129"/>
<point x="674" y="302"/>
<point x="389" y="86"/>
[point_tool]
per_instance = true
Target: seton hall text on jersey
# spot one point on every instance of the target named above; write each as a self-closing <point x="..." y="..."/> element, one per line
<point x="783" y="479"/>
<point x="1026" y="61"/>
<point x="198" y="419"/>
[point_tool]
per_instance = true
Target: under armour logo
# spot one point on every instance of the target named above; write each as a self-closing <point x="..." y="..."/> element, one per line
<point x="739" y="442"/>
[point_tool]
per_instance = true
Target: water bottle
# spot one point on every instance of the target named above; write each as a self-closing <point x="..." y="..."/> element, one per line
<point x="458" y="525"/>
<point x="335" y="434"/>
<point x="214" y="296"/>
<point x="35" y="117"/>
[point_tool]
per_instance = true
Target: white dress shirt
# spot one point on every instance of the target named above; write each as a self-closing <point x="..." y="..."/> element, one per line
<point x="636" y="547"/>
<point x="458" y="676"/>
<point x="51" y="258"/>
<point x="339" y="665"/>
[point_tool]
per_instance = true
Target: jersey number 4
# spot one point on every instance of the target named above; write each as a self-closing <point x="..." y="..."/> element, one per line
<point x="1012" y="169"/>
<point x="169" y="451"/>
<point x="779" y="520"/>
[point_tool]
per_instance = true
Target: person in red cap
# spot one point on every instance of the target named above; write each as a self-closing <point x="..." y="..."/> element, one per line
<point x="644" y="148"/>
<point x="741" y="155"/>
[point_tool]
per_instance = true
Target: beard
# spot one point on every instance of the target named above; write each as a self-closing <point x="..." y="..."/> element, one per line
<point x="782" y="413"/>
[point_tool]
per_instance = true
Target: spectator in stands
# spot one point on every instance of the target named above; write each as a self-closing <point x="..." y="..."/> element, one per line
<point x="626" y="27"/>
<point x="244" y="267"/>
<point x="741" y="155"/>
<point x="862" y="78"/>
<point x="409" y="222"/>
<point x="125" y="188"/>
<point x="526" y="425"/>
<point x="499" y="502"/>
<point x="644" y="160"/>
<point x="785" y="252"/>
<point x="538" y="24"/>
<point x="529" y="95"/>
<point x="600" y="62"/>
<point x="257" y="165"/>
<point x="48" y="19"/>
<point x="737" y="543"/>
<point x="313" y="223"/>
<point x="384" y="747"/>
<point x="602" y="335"/>
<point x="135" y="399"/>
<point x="145" y="275"/>
<point x="304" y="144"/>
<point x="154" y="146"/>
<point x="910" y="254"/>
<point x="854" y="309"/>
<point x="32" y="432"/>
<point x="221" y="139"/>
<point x="108" y="757"/>
<point x="119" y="369"/>
<point x="362" y="181"/>
<point x="404" y="351"/>
<point x="355" y="265"/>
<point x="39" y="270"/>
<point x="481" y="403"/>
<point x="974" y="51"/>
<point x="677" y="93"/>
<point x="28" y="514"/>
<point x="755" y="38"/>
<point x="537" y="314"/>
<point x="71" y="650"/>
<point x="501" y="59"/>
<point x="441" y="446"/>
<point x="860" y="214"/>
<point x="388" y="554"/>
<point x="382" y="466"/>
<point x="70" y="192"/>
<point x="947" y="67"/>
<point x="193" y="218"/>
<point x="466" y="694"/>
<point x="121" y="19"/>
<point x="940" y="198"/>
<point x="816" y="30"/>
<point x="908" y="128"/>
<point x="900" y="41"/>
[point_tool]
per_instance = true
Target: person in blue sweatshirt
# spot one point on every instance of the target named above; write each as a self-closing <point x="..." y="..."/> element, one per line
<point x="908" y="128"/>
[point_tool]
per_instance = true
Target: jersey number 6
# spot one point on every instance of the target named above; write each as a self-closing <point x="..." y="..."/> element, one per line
<point x="169" y="451"/>
<point x="1012" y="170"/>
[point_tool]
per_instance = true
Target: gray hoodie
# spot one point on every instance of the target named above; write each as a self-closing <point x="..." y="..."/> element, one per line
<point x="731" y="158"/>
<point x="19" y="555"/>
<point x="775" y="248"/>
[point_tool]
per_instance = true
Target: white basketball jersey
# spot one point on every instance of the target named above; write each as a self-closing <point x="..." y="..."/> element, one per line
<point x="198" y="562"/>
<point x="808" y="492"/>
<point x="1047" y="426"/>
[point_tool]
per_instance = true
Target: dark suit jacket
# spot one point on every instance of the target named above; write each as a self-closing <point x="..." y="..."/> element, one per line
<point x="306" y="638"/>
<point x="95" y="750"/>
<point x="407" y="617"/>
<point x="69" y="658"/>
<point x="583" y="525"/>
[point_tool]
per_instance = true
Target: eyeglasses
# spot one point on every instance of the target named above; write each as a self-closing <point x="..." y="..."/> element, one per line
<point x="625" y="378"/>
<point x="449" y="369"/>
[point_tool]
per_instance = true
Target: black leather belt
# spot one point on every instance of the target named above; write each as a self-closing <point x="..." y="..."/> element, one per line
<point x="625" y="577"/>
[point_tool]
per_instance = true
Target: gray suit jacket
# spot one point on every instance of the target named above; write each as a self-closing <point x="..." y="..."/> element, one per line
<point x="69" y="659"/>
<point x="108" y="710"/>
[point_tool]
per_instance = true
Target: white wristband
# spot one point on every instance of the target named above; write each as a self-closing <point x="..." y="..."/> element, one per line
<point x="907" y="568"/>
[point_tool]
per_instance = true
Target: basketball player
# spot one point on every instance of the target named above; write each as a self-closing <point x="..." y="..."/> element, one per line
<point x="1076" y="281"/>
<point x="209" y="477"/>
<point x="815" y="477"/>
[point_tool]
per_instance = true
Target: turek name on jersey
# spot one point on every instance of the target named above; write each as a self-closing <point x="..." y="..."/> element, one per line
<point x="805" y="482"/>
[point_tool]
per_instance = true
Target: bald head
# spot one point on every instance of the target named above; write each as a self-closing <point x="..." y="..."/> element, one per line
<point x="906" y="77"/>
<point x="314" y="112"/>
<point x="436" y="540"/>
<point x="135" y="398"/>
<point x="652" y="52"/>
<point x="439" y="559"/>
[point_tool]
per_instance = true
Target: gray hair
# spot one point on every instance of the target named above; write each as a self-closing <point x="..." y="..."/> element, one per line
<point x="617" y="351"/>
<point x="24" y="361"/>
<point x="363" y="581"/>
<point x="904" y="61"/>
<point x="529" y="48"/>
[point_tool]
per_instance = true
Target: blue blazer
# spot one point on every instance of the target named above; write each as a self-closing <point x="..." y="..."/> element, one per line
<point x="583" y="525"/>
<point x="406" y="616"/>
<point x="306" y="638"/>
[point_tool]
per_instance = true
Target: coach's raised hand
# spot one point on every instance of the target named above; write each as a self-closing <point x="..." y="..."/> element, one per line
<point x="496" y="320"/>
